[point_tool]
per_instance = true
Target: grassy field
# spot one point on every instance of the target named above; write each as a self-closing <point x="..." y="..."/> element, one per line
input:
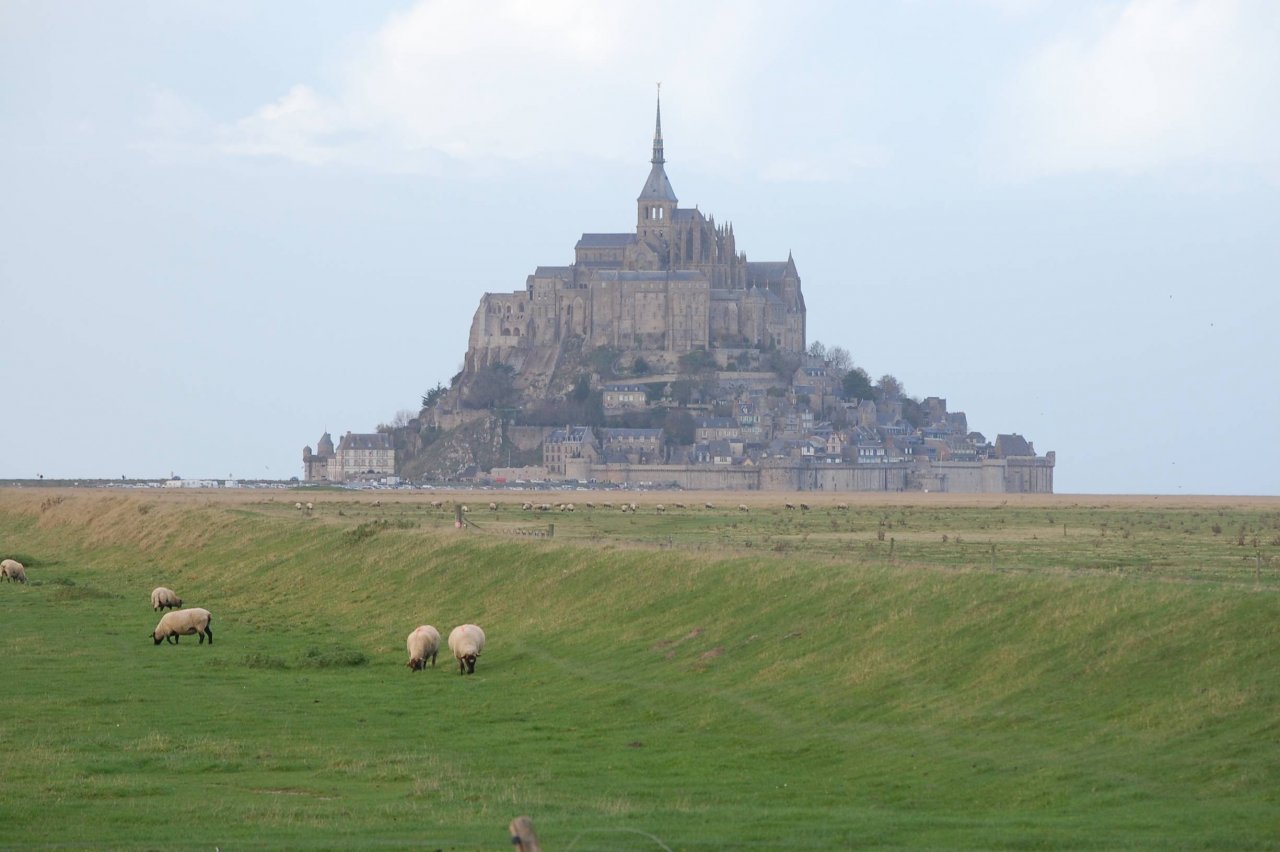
<point x="913" y="671"/>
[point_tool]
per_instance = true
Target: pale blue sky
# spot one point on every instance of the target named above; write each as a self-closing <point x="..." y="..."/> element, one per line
<point x="229" y="226"/>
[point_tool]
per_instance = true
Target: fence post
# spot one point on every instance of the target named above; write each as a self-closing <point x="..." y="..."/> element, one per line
<point x="522" y="836"/>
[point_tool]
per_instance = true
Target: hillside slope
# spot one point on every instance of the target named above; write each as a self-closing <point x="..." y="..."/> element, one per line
<point x="775" y="700"/>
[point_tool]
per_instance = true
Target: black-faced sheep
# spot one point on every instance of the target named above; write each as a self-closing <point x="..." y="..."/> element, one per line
<point x="466" y="641"/>
<point x="423" y="644"/>
<point x="184" y="622"/>
<point x="162" y="598"/>
<point x="12" y="571"/>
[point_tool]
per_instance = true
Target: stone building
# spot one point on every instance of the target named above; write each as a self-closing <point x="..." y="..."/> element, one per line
<point x="315" y="466"/>
<point x="676" y="283"/>
<point x="356" y="456"/>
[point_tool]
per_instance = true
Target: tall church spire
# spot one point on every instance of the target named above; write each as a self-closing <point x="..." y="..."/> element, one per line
<point x="657" y="133"/>
<point x="656" y="206"/>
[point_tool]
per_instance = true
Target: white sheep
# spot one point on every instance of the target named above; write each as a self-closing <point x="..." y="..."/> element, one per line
<point x="466" y="641"/>
<point x="493" y="507"/>
<point x="660" y="509"/>
<point x="12" y="571"/>
<point x="184" y="622"/>
<point x="162" y="598"/>
<point x="423" y="643"/>
<point x="742" y="507"/>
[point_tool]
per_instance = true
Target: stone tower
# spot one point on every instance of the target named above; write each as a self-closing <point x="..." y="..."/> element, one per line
<point x="656" y="206"/>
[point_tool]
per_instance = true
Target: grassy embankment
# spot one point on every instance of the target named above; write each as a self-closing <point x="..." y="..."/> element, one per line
<point x="711" y="679"/>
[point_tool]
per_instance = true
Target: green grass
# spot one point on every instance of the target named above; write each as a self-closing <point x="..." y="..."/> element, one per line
<point x="645" y="677"/>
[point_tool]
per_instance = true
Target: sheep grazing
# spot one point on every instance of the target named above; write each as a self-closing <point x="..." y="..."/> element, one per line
<point x="659" y="508"/>
<point x="844" y="507"/>
<point x="708" y="505"/>
<point x="790" y="506"/>
<point x="423" y="644"/>
<point x="681" y="506"/>
<point x="804" y="507"/>
<point x="184" y="622"/>
<point x="527" y="506"/>
<point x="298" y="506"/>
<point x="466" y="641"/>
<point x="493" y="507"/>
<point x="12" y="571"/>
<point x="742" y="507"/>
<point x="162" y="598"/>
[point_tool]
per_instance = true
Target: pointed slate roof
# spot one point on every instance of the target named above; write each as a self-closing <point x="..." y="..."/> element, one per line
<point x="657" y="187"/>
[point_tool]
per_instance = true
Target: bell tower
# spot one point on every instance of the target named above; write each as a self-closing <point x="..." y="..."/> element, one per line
<point x="656" y="206"/>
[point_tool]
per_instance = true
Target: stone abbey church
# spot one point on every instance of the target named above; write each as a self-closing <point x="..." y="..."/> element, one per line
<point x="675" y="284"/>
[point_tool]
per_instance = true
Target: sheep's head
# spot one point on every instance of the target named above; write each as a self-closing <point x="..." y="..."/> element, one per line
<point x="470" y="661"/>
<point x="416" y="665"/>
<point x="155" y="635"/>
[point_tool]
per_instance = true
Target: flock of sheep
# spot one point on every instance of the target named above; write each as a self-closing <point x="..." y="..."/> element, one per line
<point x="179" y="622"/>
<point x="466" y="641"/>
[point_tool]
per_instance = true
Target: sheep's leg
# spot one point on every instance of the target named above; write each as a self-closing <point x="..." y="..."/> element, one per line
<point x="208" y="631"/>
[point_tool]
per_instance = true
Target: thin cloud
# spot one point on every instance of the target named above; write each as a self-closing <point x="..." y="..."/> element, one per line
<point x="447" y="86"/>
<point x="1150" y="85"/>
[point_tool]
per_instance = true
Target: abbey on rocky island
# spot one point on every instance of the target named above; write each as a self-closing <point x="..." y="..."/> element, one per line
<point x="675" y="284"/>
